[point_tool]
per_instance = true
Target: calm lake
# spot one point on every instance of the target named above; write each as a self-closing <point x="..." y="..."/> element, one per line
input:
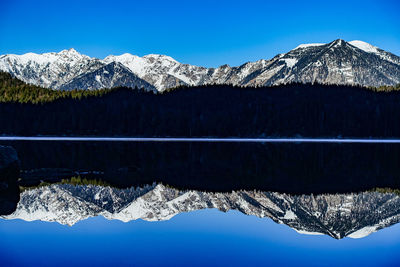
<point x="195" y="203"/>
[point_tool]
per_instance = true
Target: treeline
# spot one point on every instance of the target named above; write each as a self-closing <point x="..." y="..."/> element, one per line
<point x="210" y="110"/>
<point x="75" y="180"/>
<point x="16" y="91"/>
<point x="386" y="88"/>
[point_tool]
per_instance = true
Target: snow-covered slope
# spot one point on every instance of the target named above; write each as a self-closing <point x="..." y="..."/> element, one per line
<point x="111" y="75"/>
<point x="365" y="46"/>
<point x="338" y="62"/>
<point x="161" y="71"/>
<point x="49" y="69"/>
<point x="339" y="215"/>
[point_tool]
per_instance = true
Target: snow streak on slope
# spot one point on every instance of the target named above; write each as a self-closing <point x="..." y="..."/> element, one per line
<point x="308" y="45"/>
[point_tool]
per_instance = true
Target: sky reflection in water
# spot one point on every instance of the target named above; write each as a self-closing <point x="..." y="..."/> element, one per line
<point x="205" y="237"/>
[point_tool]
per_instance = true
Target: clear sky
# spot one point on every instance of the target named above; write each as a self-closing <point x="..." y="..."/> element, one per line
<point x="207" y="33"/>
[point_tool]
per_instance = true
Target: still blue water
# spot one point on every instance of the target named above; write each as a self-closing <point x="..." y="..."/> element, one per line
<point x="205" y="237"/>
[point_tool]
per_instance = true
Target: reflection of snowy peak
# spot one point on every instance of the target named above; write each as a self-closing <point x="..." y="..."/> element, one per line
<point x="340" y="215"/>
<point x="338" y="62"/>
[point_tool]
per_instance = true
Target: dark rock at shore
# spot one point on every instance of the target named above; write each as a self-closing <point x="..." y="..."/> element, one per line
<point x="9" y="174"/>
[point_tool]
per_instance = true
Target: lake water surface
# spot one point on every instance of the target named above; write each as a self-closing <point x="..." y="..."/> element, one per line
<point x="204" y="203"/>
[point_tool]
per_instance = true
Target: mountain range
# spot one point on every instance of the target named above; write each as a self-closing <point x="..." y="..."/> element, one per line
<point x="353" y="215"/>
<point x="337" y="62"/>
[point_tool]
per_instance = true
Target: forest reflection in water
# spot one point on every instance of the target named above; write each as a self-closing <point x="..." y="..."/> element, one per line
<point x="300" y="168"/>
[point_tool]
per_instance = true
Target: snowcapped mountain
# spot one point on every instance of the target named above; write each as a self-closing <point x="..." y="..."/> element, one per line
<point x="161" y="71"/>
<point x="49" y="69"/>
<point x="338" y="62"/>
<point x="338" y="215"/>
<point x="111" y="75"/>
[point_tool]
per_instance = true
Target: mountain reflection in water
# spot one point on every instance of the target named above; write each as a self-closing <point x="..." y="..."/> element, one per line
<point x="352" y="215"/>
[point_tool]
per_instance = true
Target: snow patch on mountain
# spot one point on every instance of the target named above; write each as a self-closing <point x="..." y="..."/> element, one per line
<point x="290" y="62"/>
<point x="364" y="46"/>
<point x="307" y="233"/>
<point x="134" y="63"/>
<point x="289" y="215"/>
<point x="363" y="232"/>
<point x="308" y="45"/>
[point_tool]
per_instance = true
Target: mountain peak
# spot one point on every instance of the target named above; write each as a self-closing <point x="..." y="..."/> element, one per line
<point x="160" y="57"/>
<point x="122" y="57"/>
<point x="337" y="43"/>
<point x="69" y="52"/>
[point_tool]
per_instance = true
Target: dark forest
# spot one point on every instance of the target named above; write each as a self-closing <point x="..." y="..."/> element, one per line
<point x="292" y="110"/>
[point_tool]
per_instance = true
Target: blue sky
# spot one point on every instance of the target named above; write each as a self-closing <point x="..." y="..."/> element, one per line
<point x="207" y="33"/>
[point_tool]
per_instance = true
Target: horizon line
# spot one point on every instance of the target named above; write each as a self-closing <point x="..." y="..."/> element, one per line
<point x="203" y="139"/>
